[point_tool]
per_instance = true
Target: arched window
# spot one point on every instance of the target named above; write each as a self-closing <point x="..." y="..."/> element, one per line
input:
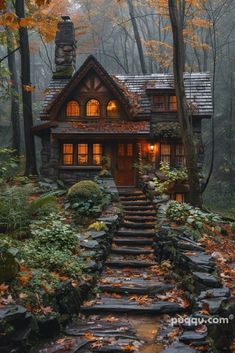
<point x="93" y="108"/>
<point x="73" y="108"/>
<point x="112" y="109"/>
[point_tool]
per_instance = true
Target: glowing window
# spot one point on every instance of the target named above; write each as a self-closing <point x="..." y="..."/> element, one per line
<point x="129" y="150"/>
<point x="67" y="154"/>
<point x="93" y="108"/>
<point x="179" y="197"/>
<point x="97" y="154"/>
<point x="73" y="109"/>
<point x="112" y="109"/>
<point x="165" y="153"/>
<point x="173" y="103"/>
<point x="83" y="154"/>
<point x="121" y="150"/>
<point x="159" y="103"/>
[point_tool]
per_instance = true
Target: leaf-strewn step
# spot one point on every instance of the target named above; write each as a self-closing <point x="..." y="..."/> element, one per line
<point x="133" y="241"/>
<point x="131" y="250"/>
<point x="128" y="306"/>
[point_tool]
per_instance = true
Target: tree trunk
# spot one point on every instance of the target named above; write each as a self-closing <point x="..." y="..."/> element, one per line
<point x="137" y="36"/>
<point x="30" y="164"/>
<point x="183" y="115"/>
<point x="15" y="109"/>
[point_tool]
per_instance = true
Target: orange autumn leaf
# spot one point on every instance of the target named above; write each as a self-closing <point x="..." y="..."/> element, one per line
<point x="25" y="278"/>
<point x="3" y="287"/>
<point x="128" y="348"/>
<point x="28" y="88"/>
<point x="89" y="336"/>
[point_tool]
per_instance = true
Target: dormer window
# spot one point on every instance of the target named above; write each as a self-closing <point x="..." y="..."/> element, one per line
<point x="165" y="103"/>
<point x="93" y="108"/>
<point x="112" y="109"/>
<point x="73" y="109"/>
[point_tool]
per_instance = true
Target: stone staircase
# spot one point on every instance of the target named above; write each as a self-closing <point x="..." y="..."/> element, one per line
<point x="128" y="283"/>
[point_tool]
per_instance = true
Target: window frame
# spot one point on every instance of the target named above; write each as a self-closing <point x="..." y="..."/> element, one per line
<point x="86" y="108"/>
<point x="168" y="105"/>
<point x="73" y="101"/>
<point x="117" y="112"/>
<point x="90" y="154"/>
<point x="165" y="155"/>
<point x="173" y="154"/>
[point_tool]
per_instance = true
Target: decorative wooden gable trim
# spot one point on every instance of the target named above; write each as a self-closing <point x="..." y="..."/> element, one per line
<point x="105" y="80"/>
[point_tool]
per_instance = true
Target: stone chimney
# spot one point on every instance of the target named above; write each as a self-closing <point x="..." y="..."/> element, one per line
<point x="65" y="49"/>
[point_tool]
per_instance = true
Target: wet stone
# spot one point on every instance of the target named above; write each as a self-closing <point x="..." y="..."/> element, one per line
<point x="96" y="235"/>
<point x="192" y="336"/>
<point x="179" y="348"/>
<point x="89" y="244"/>
<point x="206" y="279"/>
<point x="214" y="293"/>
<point x="213" y="303"/>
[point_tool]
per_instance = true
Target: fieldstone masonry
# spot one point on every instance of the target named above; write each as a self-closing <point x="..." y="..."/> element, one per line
<point x="65" y="51"/>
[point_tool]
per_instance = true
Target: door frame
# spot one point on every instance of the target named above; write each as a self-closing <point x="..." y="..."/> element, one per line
<point x="135" y="155"/>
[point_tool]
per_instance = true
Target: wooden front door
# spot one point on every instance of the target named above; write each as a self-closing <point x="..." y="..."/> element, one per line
<point x="125" y="173"/>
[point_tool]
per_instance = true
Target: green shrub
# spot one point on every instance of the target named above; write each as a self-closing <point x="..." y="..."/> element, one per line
<point x="172" y="175"/>
<point x="178" y="212"/>
<point x="183" y="213"/>
<point x="9" y="163"/>
<point x="14" y="211"/>
<point x="53" y="231"/>
<point x="44" y="205"/>
<point x="84" y="190"/>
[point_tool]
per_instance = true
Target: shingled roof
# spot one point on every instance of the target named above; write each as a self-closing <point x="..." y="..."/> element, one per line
<point x="198" y="90"/>
<point x="197" y="86"/>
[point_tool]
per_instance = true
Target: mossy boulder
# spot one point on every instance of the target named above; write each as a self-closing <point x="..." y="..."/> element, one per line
<point x="9" y="266"/>
<point x="84" y="190"/>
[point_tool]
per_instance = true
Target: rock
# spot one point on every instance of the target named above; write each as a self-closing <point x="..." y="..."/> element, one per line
<point x="193" y="337"/>
<point x="189" y="245"/>
<point x="96" y="235"/>
<point x="223" y="333"/>
<point x="89" y="244"/>
<point x="49" y="327"/>
<point x="214" y="293"/>
<point x="9" y="266"/>
<point x="68" y="298"/>
<point x="206" y="279"/>
<point x="16" y="326"/>
<point x="91" y="266"/>
<point x="177" y="347"/>
<point x="213" y="303"/>
<point x="199" y="261"/>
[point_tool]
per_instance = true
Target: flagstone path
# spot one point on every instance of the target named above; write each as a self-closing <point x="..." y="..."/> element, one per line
<point x="126" y="312"/>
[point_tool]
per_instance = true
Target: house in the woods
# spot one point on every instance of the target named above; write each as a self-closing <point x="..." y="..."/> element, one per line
<point x="88" y="114"/>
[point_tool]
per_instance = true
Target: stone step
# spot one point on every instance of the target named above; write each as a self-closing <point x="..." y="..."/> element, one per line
<point x="135" y="233"/>
<point x="136" y="203"/>
<point x="129" y="263"/>
<point x="148" y="208"/>
<point x="130" y="192"/>
<point x="136" y="213"/>
<point x="134" y="286"/>
<point x="131" y="250"/>
<point x="133" y="241"/>
<point x="133" y="198"/>
<point x="139" y="218"/>
<point x="133" y="225"/>
<point x="128" y="306"/>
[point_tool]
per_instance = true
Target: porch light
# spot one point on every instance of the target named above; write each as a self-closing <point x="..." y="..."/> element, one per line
<point x="152" y="148"/>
